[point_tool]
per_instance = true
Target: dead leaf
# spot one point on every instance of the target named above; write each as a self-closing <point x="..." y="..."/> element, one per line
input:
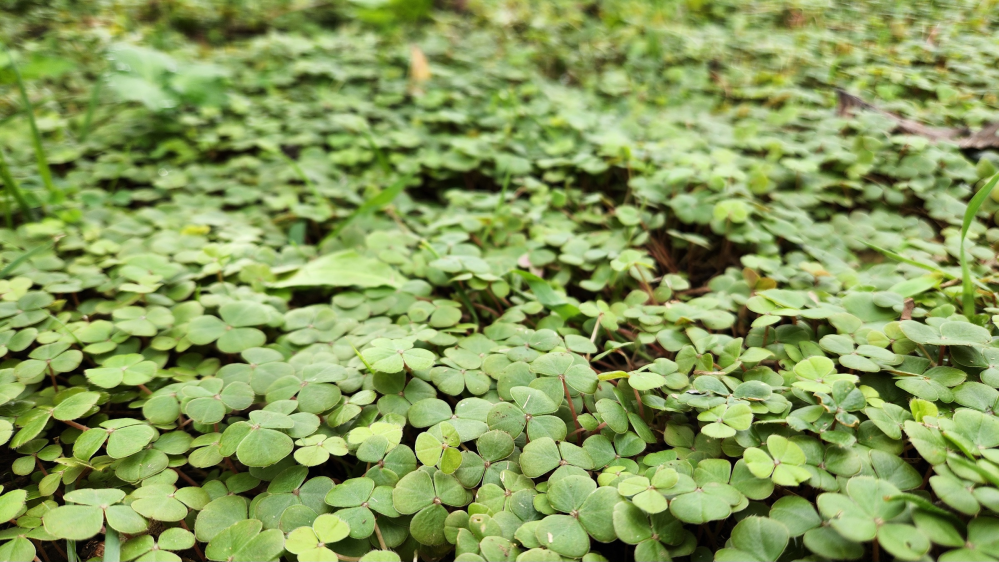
<point x="419" y="69"/>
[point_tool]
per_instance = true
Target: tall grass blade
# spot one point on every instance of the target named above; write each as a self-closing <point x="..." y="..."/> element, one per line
<point x="91" y="108"/>
<point x="499" y="206"/>
<point x="967" y="290"/>
<point x="300" y="173"/>
<point x="379" y="155"/>
<point x="376" y="202"/>
<point x="36" y="136"/>
<point x="14" y="191"/>
<point x="23" y="258"/>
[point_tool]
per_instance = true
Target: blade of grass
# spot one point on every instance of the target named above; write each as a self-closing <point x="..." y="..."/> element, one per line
<point x="301" y="175"/>
<point x="36" y="136"/>
<point x="112" y="545"/>
<point x="967" y="290"/>
<point x="23" y="258"/>
<point x="379" y="155"/>
<point x="928" y="267"/>
<point x="499" y="205"/>
<point x="899" y="257"/>
<point x="14" y="191"/>
<point x="91" y="107"/>
<point x="547" y="296"/>
<point x="373" y="204"/>
<point x="8" y="202"/>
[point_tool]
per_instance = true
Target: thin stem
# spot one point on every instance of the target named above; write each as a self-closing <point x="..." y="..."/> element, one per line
<point x="196" y="549"/>
<point x="381" y="540"/>
<point x="186" y="478"/>
<point x="641" y="408"/>
<point x="38" y="547"/>
<point x="927" y="354"/>
<point x="572" y="408"/>
<point x="467" y="302"/>
<point x="72" y="423"/>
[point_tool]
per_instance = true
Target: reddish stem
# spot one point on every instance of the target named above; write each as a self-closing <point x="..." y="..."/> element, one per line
<point x="196" y="549"/>
<point x="72" y="423"/>
<point x="572" y="408"/>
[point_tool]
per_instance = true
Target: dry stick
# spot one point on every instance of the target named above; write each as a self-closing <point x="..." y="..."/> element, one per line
<point x="572" y="408"/>
<point x="381" y="540"/>
<point x="196" y="549"/>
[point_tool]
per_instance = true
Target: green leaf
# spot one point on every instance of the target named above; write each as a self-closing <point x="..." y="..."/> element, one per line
<point x="757" y="539"/>
<point x="343" y="269"/>
<point x="547" y="296"/>
<point x="564" y="535"/>
<point x="74" y="522"/>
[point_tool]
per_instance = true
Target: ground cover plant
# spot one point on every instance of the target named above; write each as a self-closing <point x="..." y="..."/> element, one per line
<point x="496" y="281"/>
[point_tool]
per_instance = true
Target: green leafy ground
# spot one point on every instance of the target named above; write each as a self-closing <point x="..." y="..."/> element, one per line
<point x="597" y="273"/>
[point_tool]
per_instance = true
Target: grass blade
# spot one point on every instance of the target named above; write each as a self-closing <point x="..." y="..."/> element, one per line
<point x="899" y="257"/>
<point x="967" y="290"/>
<point x="499" y="206"/>
<point x="91" y="107"/>
<point x="300" y="173"/>
<point x="36" y="136"/>
<point x="23" y="258"/>
<point x="14" y="191"/>
<point x="112" y="545"/>
<point x="379" y="155"/>
<point x="373" y="204"/>
<point x="547" y="296"/>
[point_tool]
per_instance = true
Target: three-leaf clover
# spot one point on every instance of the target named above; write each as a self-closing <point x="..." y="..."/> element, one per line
<point x="309" y="543"/>
<point x="424" y="493"/>
<point x="781" y="462"/>
<point x="85" y="512"/>
<point x="131" y="369"/>
<point x="356" y="498"/>
<point x="234" y="332"/>
<point x="392" y="356"/>
<point x="653" y="536"/>
<point x="442" y="453"/>
<point x="244" y="542"/>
